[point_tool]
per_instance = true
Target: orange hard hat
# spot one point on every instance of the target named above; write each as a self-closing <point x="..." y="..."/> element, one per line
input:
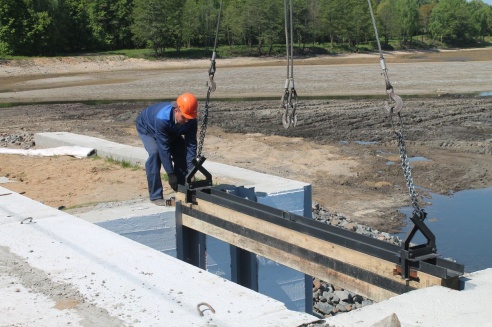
<point x="188" y="105"/>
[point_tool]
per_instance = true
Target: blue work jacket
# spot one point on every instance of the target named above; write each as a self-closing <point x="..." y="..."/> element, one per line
<point x="158" y="121"/>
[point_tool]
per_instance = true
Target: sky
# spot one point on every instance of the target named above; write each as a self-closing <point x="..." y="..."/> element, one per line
<point x="489" y="2"/>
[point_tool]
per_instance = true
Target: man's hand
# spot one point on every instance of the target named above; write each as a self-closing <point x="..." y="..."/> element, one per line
<point x="173" y="181"/>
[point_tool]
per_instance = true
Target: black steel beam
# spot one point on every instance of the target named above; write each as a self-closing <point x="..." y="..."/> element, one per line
<point x="390" y="252"/>
<point x="337" y="265"/>
<point x="190" y="244"/>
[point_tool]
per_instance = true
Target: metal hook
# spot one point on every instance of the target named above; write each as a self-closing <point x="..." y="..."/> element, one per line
<point x="200" y="312"/>
<point x="398" y="105"/>
<point x="211" y="83"/>
<point x="285" y="105"/>
<point x="27" y="220"/>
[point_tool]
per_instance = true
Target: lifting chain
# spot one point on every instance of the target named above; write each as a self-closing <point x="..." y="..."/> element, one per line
<point x="394" y="106"/>
<point x="407" y="170"/>
<point x="289" y="97"/>
<point x="211" y="88"/>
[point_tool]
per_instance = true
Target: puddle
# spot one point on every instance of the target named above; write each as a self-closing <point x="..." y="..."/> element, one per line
<point x="359" y="142"/>
<point x="485" y="94"/>
<point x="366" y="142"/>
<point x="414" y="159"/>
<point x="411" y="159"/>
<point x="462" y="224"/>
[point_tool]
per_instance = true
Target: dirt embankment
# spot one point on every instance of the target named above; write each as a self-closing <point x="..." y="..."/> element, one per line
<point x="346" y="148"/>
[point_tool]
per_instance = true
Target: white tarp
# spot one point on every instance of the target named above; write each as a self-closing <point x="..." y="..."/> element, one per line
<point x="74" y="151"/>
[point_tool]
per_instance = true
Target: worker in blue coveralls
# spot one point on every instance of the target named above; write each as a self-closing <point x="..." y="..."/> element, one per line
<point x="168" y="132"/>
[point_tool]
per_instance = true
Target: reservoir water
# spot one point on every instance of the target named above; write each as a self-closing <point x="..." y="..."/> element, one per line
<point x="462" y="224"/>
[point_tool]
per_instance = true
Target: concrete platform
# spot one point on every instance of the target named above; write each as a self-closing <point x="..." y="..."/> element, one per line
<point x="59" y="270"/>
<point x="430" y="307"/>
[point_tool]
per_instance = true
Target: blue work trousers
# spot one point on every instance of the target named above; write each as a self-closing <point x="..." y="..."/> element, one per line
<point x="153" y="163"/>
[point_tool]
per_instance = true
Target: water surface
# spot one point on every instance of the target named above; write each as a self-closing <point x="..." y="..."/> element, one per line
<point x="462" y="224"/>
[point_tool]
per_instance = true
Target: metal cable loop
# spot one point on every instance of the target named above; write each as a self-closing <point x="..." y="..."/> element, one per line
<point x="289" y="119"/>
<point x="389" y="88"/>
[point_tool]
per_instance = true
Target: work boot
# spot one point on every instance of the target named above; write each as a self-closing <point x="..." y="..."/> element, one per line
<point x="171" y="202"/>
<point x="159" y="202"/>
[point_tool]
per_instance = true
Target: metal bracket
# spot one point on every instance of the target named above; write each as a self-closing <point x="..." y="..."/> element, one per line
<point x="422" y="252"/>
<point x="191" y="185"/>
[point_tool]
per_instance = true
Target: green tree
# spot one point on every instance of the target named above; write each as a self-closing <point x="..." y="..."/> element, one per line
<point x="158" y="23"/>
<point x="451" y="21"/>
<point x="314" y="24"/>
<point x="252" y="21"/>
<point x="14" y="16"/>
<point x="482" y="16"/>
<point x="110" y="22"/>
<point x="271" y="25"/>
<point x="191" y="27"/>
<point x="408" y="18"/>
<point x="207" y="15"/>
<point x="232" y="22"/>
<point x="77" y="30"/>
<point x="388" y="20"/>
<point x="332" y="22"/>
<point x="424" y="13"/>
<point x="358" y="22"/>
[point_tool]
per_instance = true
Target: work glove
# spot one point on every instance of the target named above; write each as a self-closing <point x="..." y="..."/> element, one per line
<point x="173" y="181"/>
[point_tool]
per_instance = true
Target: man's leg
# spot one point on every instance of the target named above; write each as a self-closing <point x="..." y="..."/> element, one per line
<point x="178" y="153"/>
<point x="152" y="167"/>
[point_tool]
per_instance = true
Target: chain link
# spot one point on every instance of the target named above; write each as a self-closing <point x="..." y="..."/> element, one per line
<point x="211" y="88"/>
<point x="405" y="165"/>
<point x="204" y="123"/>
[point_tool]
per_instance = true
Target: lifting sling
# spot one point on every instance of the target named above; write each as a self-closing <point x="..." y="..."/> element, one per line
<point x="289" y="98"/>
<point x="409" y="251"/>
<point x="191" y="184"/>
<point x="211" y="88"/>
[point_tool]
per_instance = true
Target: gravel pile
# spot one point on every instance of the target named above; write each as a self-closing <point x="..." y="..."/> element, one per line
<point x="339" y="220"/>
<point x="328" y="299"/>
<point x="22" y="140"/>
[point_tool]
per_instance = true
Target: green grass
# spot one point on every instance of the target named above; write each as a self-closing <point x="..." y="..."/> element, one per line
<point x="122" y="163"/>
<point x="278" y="49"/>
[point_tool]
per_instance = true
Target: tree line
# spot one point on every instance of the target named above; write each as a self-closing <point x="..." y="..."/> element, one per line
<point x="55" y="27"/>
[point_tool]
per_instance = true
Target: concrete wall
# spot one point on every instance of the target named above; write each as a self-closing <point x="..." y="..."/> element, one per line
<point x="156" y="228"/>
<point x="153" y="227"/>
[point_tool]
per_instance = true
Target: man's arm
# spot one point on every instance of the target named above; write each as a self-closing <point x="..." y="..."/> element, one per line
<point x="191" y="143"/>
<point x="162" y="139"/>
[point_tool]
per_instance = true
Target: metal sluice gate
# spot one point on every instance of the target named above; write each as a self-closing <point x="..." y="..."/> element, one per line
<point x="362" y="264"/>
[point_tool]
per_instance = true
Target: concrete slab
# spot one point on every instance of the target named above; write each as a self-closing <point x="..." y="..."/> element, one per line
<point x="138" y="220"/>
<point x="58" y="270"/>
<point x="433" y="307"/>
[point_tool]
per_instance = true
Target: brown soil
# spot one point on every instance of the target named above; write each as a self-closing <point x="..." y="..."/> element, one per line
<point x="342" y="146"/>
